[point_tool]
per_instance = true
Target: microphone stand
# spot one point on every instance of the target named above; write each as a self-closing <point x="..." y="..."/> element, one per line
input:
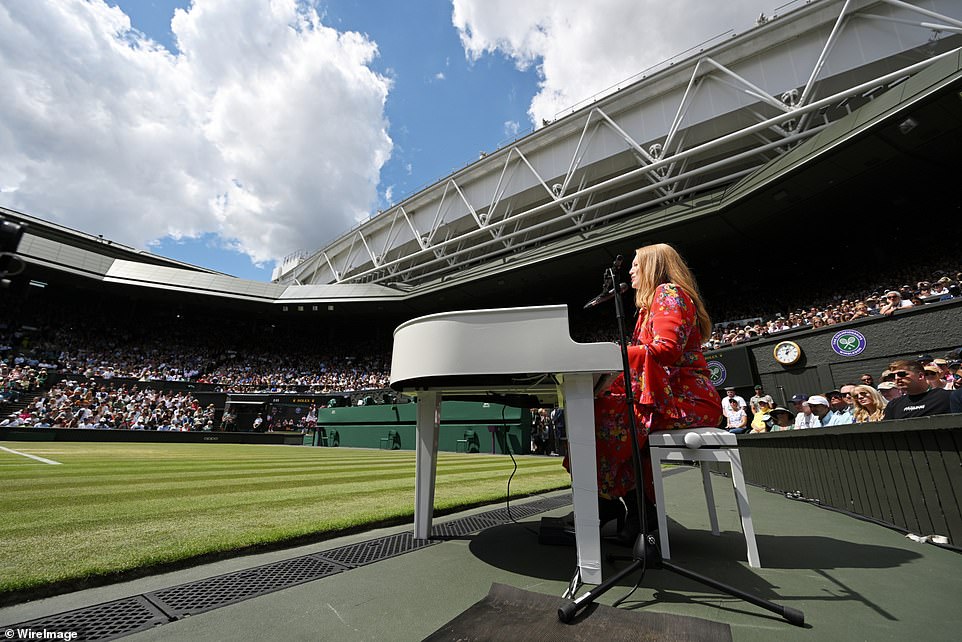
<point x="645" y="551"/>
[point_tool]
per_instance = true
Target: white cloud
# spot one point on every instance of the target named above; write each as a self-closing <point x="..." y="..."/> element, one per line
<point x="439" y="75"/>
<point x="583" y="48"/>
<point x="511" y="128"/>
<point x="266" y="128"/>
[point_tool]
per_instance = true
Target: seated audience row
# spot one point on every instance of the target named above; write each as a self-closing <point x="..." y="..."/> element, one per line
<point x="909" y="388"/>
<point x="883" y="301"/>
<point x="70" y="404"/>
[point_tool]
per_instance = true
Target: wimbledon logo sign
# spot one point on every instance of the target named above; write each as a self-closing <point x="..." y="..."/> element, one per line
<point x="848" y="343"/>
<point x="717" y="373"/>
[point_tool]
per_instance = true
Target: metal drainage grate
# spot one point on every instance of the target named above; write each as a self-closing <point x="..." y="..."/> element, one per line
<point x="101" y="622"/>
<point x="116" y="619"/>
<point x="514" y="513"/>
<point x="375" y="550"/>
<point x="551" y="503"/>
<point x="464" y="526"/>
<point x="215" y="592"/>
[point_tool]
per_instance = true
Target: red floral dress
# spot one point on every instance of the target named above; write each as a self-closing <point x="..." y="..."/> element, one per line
<point x="670" y="383"/>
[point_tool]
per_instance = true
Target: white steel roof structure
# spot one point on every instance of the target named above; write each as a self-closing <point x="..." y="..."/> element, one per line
<point x="688" y="128"/>
<point x="736" y="132"/>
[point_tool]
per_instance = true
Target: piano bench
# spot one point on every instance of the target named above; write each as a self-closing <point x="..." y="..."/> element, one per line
<point x="704" y="445"/>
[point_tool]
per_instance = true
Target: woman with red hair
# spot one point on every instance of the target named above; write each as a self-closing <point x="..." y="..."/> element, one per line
<point x="670" y="380"/>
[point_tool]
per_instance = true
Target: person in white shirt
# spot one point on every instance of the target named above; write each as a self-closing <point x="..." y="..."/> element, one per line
<point x="737" y="417"/>
<point x="805" y="417"/>
<point x="893" y="302"/>
<point x="730" y="394"/>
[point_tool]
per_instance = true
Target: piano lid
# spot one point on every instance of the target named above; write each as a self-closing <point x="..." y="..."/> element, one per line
<point x="501" y="341"/>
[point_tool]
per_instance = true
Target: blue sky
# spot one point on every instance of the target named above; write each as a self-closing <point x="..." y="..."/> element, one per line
<point x="443" y="109"/>
<point x="229" y="133"/>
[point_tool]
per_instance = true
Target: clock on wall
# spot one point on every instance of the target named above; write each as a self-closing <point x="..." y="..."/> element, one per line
<point x="787" y="352"/>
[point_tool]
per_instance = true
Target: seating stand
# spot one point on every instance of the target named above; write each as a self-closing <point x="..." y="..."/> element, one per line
<point x="703" y="445"/>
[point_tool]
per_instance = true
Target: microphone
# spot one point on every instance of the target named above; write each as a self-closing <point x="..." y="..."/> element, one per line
<point x="604" y="297"/>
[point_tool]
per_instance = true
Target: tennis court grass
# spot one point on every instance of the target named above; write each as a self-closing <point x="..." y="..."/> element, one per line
<point x="109" y="508"/>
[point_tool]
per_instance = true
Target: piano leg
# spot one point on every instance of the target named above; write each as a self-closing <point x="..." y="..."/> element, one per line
<point x="578" y="392"/>
<point x="426" y="461"/>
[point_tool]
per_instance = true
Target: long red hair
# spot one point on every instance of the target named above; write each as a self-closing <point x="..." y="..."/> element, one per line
<point x="661" y="263"/>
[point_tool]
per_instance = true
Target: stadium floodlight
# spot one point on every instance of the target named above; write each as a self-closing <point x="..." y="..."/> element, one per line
<point x="10" y="235"/>
<point x="10" y="263"/>
<point x="908" y="125"/>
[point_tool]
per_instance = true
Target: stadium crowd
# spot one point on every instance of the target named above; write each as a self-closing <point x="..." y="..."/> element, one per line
<point x="72" y="404"/>
<point x="920" y="387"/>
<point x="872" y="299"/>
<point x="230" y="358"/>
<point x="240" y="355"/>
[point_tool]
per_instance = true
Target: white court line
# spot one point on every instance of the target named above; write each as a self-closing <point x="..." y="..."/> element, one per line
<point x="41" y="459"/>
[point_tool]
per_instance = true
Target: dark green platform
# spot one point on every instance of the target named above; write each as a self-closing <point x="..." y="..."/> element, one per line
<point x="854" y="580"/>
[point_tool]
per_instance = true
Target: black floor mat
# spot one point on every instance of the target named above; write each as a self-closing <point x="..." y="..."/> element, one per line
<point x="512" y="614"/>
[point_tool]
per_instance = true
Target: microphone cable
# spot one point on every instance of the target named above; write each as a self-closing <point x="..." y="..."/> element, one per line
<point x="507" y="499"/>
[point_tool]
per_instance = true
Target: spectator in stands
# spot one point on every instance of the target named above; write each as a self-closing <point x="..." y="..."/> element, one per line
<point x="841" y="413"/>
<point x="919" y="398"/>
<point x="893" y="302"/>
<point x="820" y="409"/>
<point x="955" y="367"/>
<point x="955" y="400"/>
<point x="869" y="404"/>
<point x="730" y="394"/>
<point x="846" y="390"/>
<point x="860" y="311"/>
<point x="737" y="418"/>
<point x="867" y="379"/>
<point x="782" y="419"/>
<point x="940" y="287"/>
<point x="933" y="375"/>
<point x="889" y="391"/>
<point x="945" y="377"/>
<point x="759" y="396"/>
<point x="762" y="420"/>
<point x="804" y="418"/>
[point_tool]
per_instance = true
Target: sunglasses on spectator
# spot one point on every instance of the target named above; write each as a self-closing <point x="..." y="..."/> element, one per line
<point x="901" y="374"/>
<point x="931" y="374"/>
<point x="892" y="296"/>
<point x="862" y="394"/>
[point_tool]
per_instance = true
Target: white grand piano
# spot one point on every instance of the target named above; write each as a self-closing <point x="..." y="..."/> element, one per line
<point x="525" y="351"/>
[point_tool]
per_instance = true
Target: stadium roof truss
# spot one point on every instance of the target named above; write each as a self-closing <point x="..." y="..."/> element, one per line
<point x="734" y="108"/>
